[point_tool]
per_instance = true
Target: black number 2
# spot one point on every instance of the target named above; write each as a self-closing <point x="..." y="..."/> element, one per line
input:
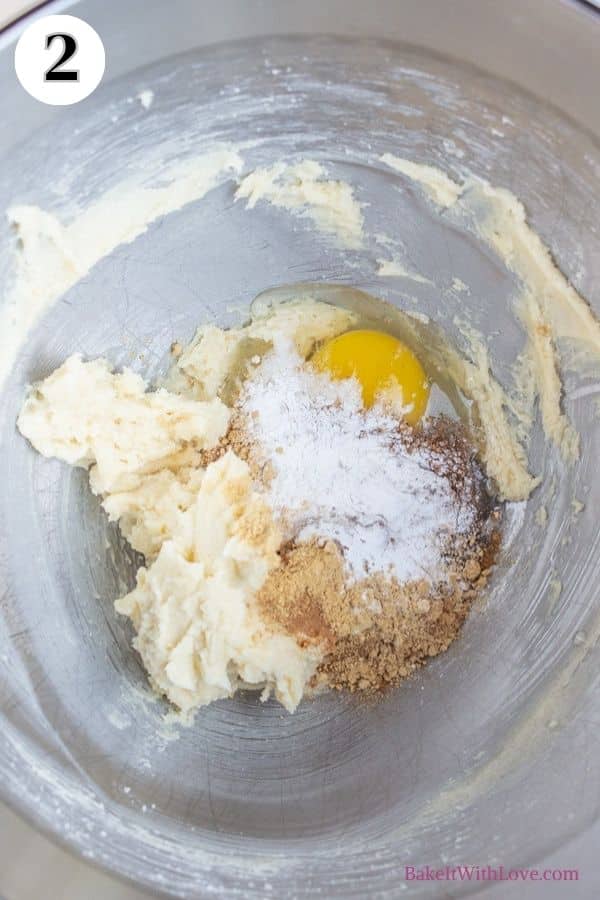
<point x="69" y="48"/>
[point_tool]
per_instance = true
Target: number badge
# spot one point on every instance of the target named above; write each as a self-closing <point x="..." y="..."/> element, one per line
<point x="59" y="60"/>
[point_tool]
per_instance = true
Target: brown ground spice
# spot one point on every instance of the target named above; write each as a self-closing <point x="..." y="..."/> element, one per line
<point x="237" y="440"/>
<point x="375" y="631"/>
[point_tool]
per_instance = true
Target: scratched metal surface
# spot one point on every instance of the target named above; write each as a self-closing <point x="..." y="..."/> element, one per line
<point x="489" y="754"/>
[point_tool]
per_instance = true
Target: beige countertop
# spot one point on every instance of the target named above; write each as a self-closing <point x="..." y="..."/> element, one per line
<point x="32" y="868"/>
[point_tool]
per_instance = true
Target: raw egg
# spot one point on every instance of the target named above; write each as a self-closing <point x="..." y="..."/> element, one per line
<point x="381" y="364"/>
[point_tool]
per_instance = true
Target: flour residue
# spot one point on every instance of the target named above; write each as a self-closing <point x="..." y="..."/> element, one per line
<point x="146" y="98"/>
<point x="459" y="286"/>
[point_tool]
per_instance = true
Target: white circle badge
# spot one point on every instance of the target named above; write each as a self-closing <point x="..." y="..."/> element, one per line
<point x="59" y="60"/>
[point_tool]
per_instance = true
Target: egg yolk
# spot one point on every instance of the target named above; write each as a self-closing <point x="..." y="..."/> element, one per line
<point x="381" y="363"/>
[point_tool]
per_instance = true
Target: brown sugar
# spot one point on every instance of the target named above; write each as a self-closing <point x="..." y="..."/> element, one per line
<point x="297" y="594"/>
<point x="376" y="631"/>
<point x="416" y="621"/>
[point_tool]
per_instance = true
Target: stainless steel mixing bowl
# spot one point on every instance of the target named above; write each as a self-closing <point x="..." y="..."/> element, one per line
<point x="489" y="754"/>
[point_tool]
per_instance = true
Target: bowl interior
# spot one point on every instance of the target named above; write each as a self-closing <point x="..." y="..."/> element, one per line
<point x="466" y="757"/>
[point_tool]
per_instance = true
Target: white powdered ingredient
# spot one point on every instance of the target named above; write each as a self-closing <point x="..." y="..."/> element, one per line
<point x="146" y="98"/>
<point x="340" y="472"/>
